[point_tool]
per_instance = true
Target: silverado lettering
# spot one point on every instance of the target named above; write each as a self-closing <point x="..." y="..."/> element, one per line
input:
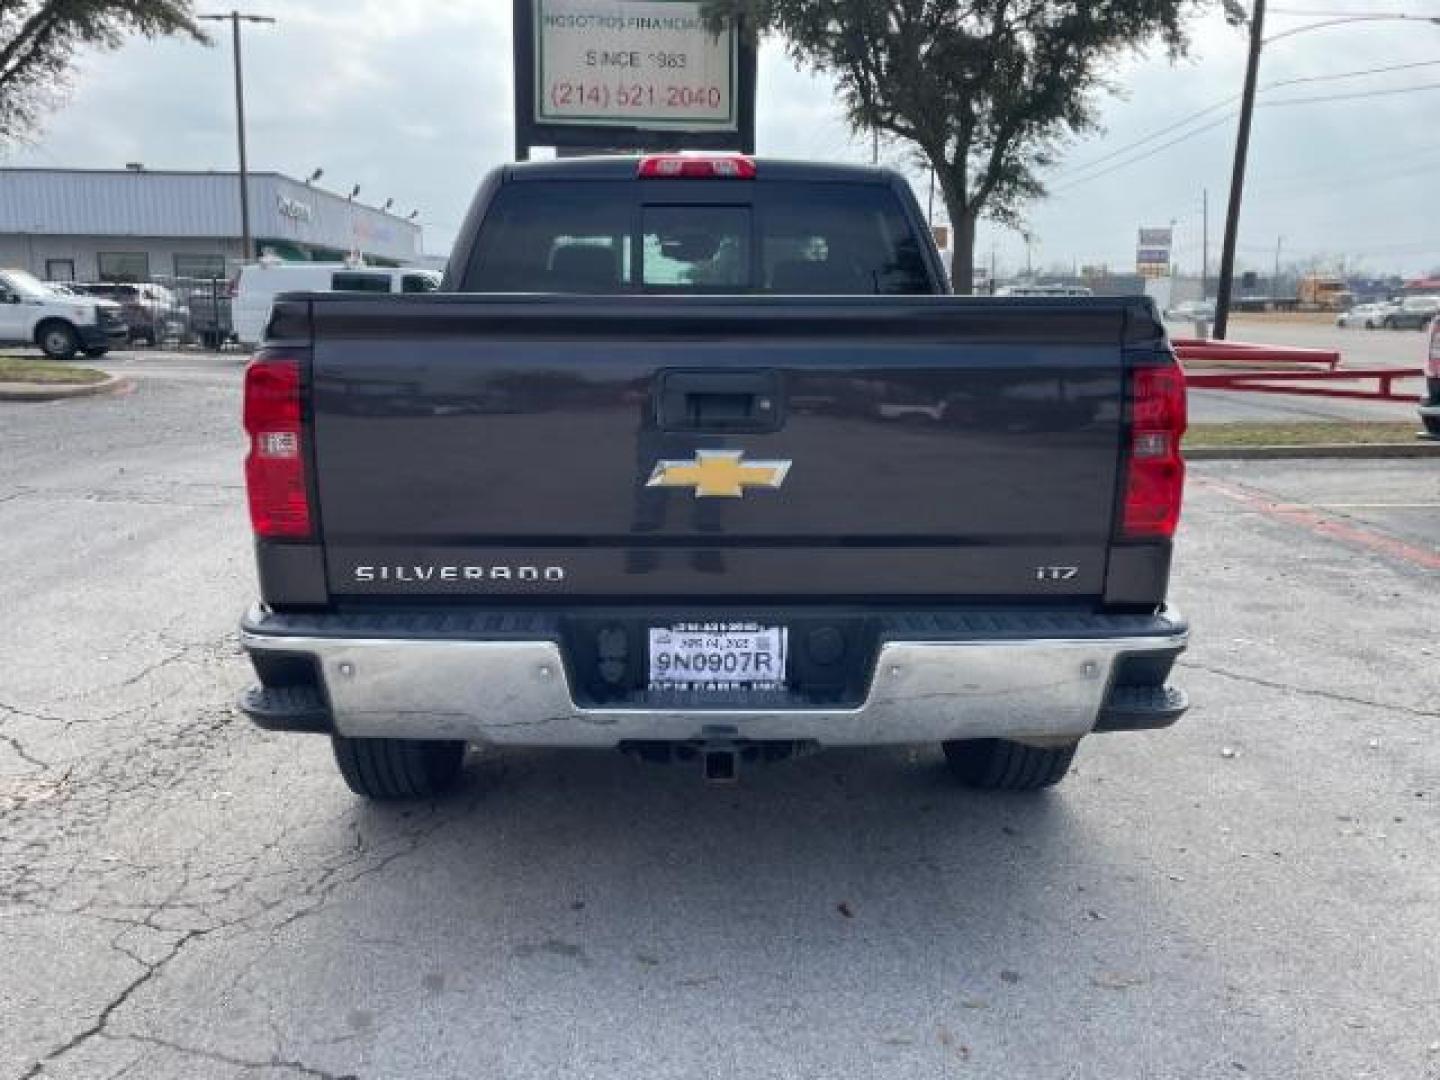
<point x="417" y="573"/>
<point x="971" y="546"/>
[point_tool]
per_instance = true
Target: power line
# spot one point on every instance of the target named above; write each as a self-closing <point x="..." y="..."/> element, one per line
<point x="1351" y="97"/>
<point x="1350" y="74"/>
<point x="1313" y="13"/>
<point x="1224" y="119"/>
<point x="1142" y="157"/>
<point x="1084" y="166"/>
<point x="1185" y="121"/>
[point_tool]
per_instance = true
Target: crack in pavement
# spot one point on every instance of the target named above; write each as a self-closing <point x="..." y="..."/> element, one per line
<point x="24" y="755"/>
<point x="98" y="1026"/>
<point x="1307" y="691"/>
<point x="298" y="1067"/>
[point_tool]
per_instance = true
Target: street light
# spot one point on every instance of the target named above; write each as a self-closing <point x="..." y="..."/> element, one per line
<point x="1258" y="41"/>
<point x="314" y="176"/>
<point x="235" y="18"/>
<point x="354" y="192"/>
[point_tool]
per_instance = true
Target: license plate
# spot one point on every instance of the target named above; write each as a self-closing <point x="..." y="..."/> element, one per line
<point x="717" y="656"/>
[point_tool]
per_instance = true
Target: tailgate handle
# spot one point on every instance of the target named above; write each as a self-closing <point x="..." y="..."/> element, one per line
<point x="720" y="401"/>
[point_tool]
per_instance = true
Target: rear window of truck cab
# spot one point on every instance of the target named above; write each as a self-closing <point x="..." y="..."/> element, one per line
<point x="609" y="237"/>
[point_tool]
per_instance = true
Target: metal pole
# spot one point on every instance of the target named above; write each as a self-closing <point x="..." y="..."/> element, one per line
<point x="930" y="210"/>
<point x="1205" y="242"/>
<point x="247" y="249"/>
<point x="1275" y="280"/>
<point x="234" y="18"/>
<point x="1237" y="179"/>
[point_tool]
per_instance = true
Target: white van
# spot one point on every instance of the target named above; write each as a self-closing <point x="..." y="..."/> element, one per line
<point x="261" y="282"/>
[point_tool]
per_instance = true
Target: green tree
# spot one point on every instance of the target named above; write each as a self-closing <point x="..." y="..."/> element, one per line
<point x="988" y="91"/>
<point x="39" y="38"/>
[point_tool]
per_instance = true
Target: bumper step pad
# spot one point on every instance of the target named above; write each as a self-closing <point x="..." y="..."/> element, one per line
<point x="1134" y="708"/>
<point x="287" y="708"/>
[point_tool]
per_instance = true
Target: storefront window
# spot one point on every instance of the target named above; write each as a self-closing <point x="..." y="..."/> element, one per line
<point x="124" y="266"/>
<point x="200" y="266"/>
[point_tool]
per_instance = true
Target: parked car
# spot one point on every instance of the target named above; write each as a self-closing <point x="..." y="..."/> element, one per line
<point x="149" y="309"/>
<point x="657" y="503"/>
<point x="1430" y="403"/>
<point x="261" y="282"/>
<point x="1192" y="311"/>
<point x="32" y="313"/>
<point x="1370" y="316"/>
<point x="1413" y="313"/>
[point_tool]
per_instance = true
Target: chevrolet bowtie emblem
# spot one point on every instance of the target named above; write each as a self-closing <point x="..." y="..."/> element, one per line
<point x="719" y="474"/>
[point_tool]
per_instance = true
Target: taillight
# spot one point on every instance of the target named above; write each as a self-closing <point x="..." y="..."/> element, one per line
<point x="1432" y="362"/>
<point x="1155" y="471"/>
<point x="696" y="167"/>
<point x="275" y="467"/>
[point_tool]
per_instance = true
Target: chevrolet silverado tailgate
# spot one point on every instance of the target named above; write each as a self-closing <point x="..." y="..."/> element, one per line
<point x="750" y="447"/>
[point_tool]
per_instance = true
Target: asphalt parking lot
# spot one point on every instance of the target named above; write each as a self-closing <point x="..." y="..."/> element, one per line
<point x="1255" y="892"/>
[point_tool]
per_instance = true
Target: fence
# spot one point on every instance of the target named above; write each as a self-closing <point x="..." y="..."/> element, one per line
<point x="1271" y="369"/>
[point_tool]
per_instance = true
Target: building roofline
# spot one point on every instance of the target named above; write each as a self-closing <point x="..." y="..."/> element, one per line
<point x="142" y="172"/>
<point x="224" y="173"/>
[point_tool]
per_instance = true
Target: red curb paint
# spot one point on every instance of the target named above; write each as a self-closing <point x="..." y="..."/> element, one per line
<point x="1320" y="525"/>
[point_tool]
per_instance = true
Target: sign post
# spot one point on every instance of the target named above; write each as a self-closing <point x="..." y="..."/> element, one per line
<point x="630" y="74"/>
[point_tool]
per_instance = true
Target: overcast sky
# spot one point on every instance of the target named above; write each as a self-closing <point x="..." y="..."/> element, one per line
<point x="411" y="99"/>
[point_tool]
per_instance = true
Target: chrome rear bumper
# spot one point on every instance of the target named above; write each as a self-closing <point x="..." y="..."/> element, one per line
<point x="515" y="691"/>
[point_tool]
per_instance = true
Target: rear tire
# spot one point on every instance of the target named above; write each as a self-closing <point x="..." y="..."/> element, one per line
<point x="1002" y="765"/>
<point x="387" y="769"/>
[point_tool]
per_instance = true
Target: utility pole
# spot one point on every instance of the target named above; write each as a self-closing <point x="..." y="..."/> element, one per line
<point x="1237" y="177"/>
<point x="1204" y="242"/>
<point x="234" y="18"/>
<point x="875" y="146"/>
<point x="930" y="210"/>
<point x="1275" y="280"/>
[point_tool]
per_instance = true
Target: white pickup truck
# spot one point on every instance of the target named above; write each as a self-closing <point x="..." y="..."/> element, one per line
<point x="32" y="313"/>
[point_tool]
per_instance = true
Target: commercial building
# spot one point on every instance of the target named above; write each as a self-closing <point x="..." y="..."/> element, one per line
<point x="140" y="225"/>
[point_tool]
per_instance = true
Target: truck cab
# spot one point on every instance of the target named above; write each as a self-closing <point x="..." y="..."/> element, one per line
<point x="31" y="313"/>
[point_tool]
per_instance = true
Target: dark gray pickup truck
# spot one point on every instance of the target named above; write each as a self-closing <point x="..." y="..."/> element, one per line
<point x="693" y="458"/>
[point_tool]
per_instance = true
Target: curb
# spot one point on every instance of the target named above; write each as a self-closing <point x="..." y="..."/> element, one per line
<point x="15" y="391"/>
<point x="1420" y="448"/>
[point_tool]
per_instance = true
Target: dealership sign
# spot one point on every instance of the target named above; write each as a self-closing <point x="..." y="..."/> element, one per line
<point x="630" y="74"/>
<point x="633" y="64"/>
<point x="1152" y="254"/>
<point x="293" y="208"/>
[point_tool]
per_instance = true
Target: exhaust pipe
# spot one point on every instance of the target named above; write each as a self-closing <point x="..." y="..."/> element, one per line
<point x="720" y="765"/>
